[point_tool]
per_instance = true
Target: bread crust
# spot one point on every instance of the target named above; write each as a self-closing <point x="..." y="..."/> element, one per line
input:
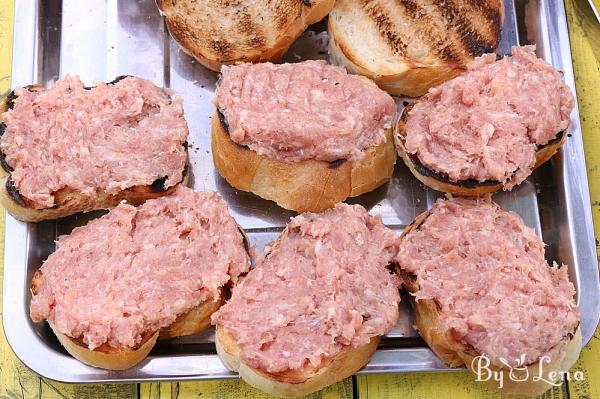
<point x="193" y="321"/>
<point x="69" y="202"/>
<point x="469" y="188"/>
<point x="455" y="354"/>
<point x="410" y="82"/>
<point x="402" y="76"/>
<point x="295" y="383"/>
<point x="238" y="45"/>
<point x="305" y="186"/>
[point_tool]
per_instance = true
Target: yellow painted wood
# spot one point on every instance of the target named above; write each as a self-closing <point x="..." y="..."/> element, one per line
<point x="230" y="389"/>
<point x="6" y="24"/>
<point x="585" y="47"/>
<point x="457" y="385"/>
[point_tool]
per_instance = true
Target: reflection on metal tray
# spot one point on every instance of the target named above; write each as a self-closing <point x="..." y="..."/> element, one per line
<point x="101" y="40"/>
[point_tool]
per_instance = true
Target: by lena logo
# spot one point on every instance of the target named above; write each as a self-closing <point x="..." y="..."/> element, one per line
<point x="519" y="372"/>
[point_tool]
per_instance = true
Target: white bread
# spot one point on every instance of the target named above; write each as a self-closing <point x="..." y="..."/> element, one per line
<point x="468" y="188"/>
<point x="106" y="357"/>
<point x="407" y="50"/>
<point x="221" y="33"/>
<point x="455" y="354"/>
<point x="292" y="384"/>
<point x="305" y="186"/>
<point x="69" y="202"/>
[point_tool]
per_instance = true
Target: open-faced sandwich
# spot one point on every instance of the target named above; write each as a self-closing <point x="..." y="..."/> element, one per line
<point x="220" y="33"/>
<point x="305" y="135"/>
<point x="315" y="307"/>
<point x="489" y="128"/>
<point x="407" y="47"/>
<point x="482" y="287"/>
<point x="72" y="148"/>
<point x="134" y="275"/>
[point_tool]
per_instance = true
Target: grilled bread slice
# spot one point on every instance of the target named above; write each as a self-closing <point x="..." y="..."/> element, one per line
<point x="304" y="186"/>
<point x="220" y="33"/>
<point x="527" y="380"/>
<point x="470" y="187"/>
<point x="406" y="47"/>
<point x="282" y="273"/>
<point x="106" y="357"/>
<point x="186" y="220"/>
<point x="70" y="201"/>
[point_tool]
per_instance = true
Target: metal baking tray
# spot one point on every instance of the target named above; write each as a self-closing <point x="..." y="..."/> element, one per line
<point x="103" y="39"/>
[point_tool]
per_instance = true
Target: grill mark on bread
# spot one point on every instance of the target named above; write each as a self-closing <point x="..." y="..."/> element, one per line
<point x="385" y="27"/>
<point x="337" y="163"/>
<point x="14" y="193"/>
<point x="7" y="168"/>
<point x="284" y="12"/>
<point x="473" y="41"/>
<point x="158" y="185"/>
<point x="220" y="46"/>
<point x="487" y="11"/>
<point x="225" y="126"/>
<point x="253" y="32"/>
<point x="431" y="36"/>
<point x="10" y="100"/>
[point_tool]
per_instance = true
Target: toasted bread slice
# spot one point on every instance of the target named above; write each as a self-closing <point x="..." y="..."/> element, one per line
<point x="310" y="378"/>
<point x="68" y="201"/>
<point x="408" y="47"/>
<point x="223" y="33"/>
<point x="106" y="357"/>
<point x="530" y="380"/>
<point x="193" y="321"/>
<point x="292" y="384"/>
<point x="305" y="186"/>
<point x="471" y="188"/>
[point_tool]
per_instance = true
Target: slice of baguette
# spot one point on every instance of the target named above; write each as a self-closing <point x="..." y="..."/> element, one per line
<point x="68" y="201"/>
<point x="292" y="384"/>
<point x="193" y="321"/>
<point x="222" y="33"/>
<point x="535" y="378"/>
<point x="305" y="186"/>
<point x="408" y="47"/>
<point x="471" y="188"/>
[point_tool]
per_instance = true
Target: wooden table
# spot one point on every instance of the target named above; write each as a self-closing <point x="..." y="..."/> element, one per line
<point x="17" y="381"/>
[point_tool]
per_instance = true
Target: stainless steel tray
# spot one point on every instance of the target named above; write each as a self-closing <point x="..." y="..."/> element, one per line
<point x="102" y="39"/>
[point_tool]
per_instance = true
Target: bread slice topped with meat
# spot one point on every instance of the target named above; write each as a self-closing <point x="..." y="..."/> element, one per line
<point x="72" y="148"/>
<point x="482" y="287"/>
<point x="219" y="33"/>
<point x="489" y="128"/>
<point x="305" y="135"/>
<point x="315" y="307"/>
<point x="407" y="47"/>
<point x="117" y="284"/>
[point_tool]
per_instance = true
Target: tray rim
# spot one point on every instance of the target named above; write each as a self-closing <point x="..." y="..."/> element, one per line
<point x="17" y="235"/>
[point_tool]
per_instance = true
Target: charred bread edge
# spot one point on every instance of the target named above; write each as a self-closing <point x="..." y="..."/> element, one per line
<point x="470" y="187"/>
<point x="413" y="81"/>
<point x="190" y="46"/>
<point x="193" y="321"/>
<point x="455" y="354"/>
<point x="69" y="201"/>
<point x="302" y="186"/>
